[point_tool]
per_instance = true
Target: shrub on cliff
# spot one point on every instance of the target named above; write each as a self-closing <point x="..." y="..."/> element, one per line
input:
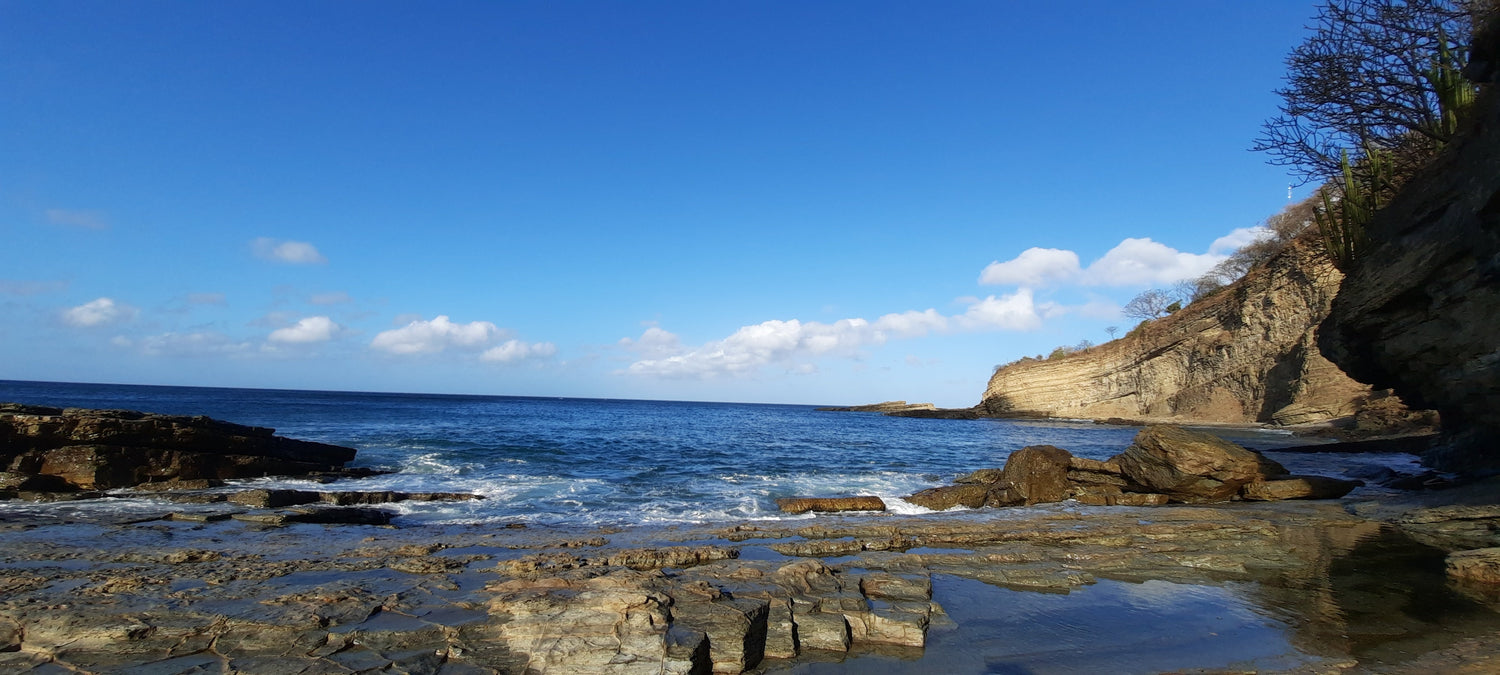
<point x="1372" y="95"/>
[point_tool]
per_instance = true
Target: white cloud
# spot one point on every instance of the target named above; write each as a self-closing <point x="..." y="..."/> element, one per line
<point x="515" y="350"/>
<point x="290" y="252"/>
<point x="1238" y="239"/>
<point x="790" y="342"/>
<point x="98" y="312"/>
<point x="654" y="343"/>
<point x="1016" y="312"/>
<point x="310" y="329"/>
<point x="1132" y="262"/>
<point x="1137" y="262"/>
<point x="88" y="220"/>
<point x="1034" y="267"/>
<point x="202" y="343"/>
<point x="425" y="337"/>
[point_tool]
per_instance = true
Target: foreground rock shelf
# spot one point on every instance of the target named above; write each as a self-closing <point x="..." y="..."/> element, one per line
<point x="235" y="597"/>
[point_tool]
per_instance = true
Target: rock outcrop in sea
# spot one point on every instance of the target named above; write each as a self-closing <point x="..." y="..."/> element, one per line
<point x="46" y="449"/>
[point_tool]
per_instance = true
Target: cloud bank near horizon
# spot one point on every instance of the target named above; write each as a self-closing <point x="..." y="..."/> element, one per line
<point x="1133" y="262"/>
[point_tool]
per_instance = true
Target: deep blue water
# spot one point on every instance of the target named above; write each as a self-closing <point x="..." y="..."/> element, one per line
<point x="617" y="462"/>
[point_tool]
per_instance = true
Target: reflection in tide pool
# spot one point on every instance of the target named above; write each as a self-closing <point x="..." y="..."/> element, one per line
<point x="1107" y="627"/>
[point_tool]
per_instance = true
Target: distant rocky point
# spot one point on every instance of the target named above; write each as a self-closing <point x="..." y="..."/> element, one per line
<point x="885" y="407"/>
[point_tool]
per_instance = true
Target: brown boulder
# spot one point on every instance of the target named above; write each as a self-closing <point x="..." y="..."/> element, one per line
<point x="1298" y="487"/>
<point x="1038" y="474"/>
<point x="1190" y="466"/>
<point x="831" y="504"/>
<point x="947" y="497"/>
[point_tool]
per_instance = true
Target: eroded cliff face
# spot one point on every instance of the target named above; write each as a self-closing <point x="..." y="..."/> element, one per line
<point x="1246" y="354"/>
<point x="1418" y="312"/>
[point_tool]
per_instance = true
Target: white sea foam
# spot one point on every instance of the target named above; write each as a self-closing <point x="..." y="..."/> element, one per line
<point x="901" y="507"/>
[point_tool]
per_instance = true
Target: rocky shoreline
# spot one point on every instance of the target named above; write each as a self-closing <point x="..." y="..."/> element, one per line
<point x="211" y="576"/>
<point x="248" y="596"/>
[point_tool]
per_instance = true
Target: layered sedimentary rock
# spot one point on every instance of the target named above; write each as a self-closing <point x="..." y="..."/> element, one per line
<point x="1244" y="354"/>
<point x="1417" y="311"/>
<point x="104" y="449"/>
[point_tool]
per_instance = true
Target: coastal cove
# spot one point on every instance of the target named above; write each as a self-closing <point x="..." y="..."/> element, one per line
<point x="618" y="462"/>
<point x="590" y="529"/>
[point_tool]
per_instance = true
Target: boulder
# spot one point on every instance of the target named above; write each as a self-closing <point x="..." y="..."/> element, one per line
<point x="947" y="497"/>
<point x="1298" y="487"/>
<point x="1038" y="473"/>
<point x="1191" y="466"/>
<point x="830" y="504"/>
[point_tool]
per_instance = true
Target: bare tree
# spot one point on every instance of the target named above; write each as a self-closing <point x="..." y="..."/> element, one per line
<point x="1375" y="76"/>
<point x="1111" y="330"/>
<point x="1149" y="304"/>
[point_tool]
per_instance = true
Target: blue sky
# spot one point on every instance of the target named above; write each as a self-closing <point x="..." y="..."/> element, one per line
<point x="835" y="202"/>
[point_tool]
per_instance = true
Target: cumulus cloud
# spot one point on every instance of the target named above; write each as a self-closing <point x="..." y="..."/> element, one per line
<point x="98" y="312"/>
<point x="88" y="220"/>
<point x="289" y="252"/>
<point x="1034" y="267"/>
<point x="1016" y="312"/>
<point x="786" y="341"/>
<point x="307" y="330"/>
<point x="1142" y="261"/>
<point x="1238" y="239"/>
<point x="1132" y="262"/>
<point x="654" y="343"/>
<point x="427" y="337"/>
<point x="512" y="351"/>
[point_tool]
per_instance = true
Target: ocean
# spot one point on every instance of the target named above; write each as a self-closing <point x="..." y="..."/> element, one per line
<point x="600" y="462"/>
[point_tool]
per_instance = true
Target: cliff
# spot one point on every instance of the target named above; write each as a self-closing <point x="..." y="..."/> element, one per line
<point x="1417" y="311"/>
<point x="1244" y="354"/>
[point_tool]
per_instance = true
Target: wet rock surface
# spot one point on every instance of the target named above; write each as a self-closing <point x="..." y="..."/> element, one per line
<point x="830" y="504"/>
<point x="232" y="596"/>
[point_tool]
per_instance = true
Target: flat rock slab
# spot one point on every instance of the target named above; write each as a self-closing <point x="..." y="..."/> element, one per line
<point x="830" y="504"/>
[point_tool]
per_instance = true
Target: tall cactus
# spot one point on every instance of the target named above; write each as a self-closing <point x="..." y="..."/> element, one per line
<point x="1453" y="91"/>
<point x="1344" y="216"/>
